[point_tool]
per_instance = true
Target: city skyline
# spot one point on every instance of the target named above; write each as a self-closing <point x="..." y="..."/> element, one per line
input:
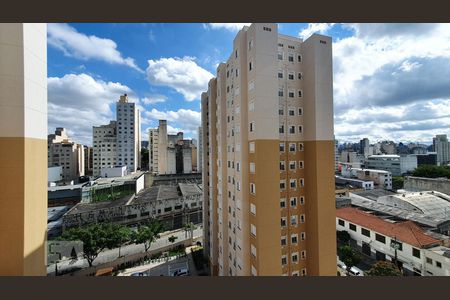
<point x="100" y="62"/>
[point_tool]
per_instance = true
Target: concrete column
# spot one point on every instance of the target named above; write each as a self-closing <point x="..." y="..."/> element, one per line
<point x="23" y="148"/>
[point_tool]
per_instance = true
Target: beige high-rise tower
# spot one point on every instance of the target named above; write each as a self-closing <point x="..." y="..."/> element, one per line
<point x="268" y="157"/>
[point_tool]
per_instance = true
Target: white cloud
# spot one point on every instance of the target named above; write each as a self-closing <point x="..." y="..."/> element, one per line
<point x="181" y="74"/>
<point x="78" y="102"/>
<point x="185" y="120"/>
<point x="321" y="28"/>
<point x="228" y="26"/>
<point x="78" y="45"/>
<point x="154" y="99"/>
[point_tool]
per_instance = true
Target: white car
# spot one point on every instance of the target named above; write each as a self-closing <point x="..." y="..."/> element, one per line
<point x="341" y="265"/>
<point x="354" y="271"/>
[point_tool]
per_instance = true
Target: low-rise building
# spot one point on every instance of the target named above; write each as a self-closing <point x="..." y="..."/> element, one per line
<point x="381" y="178"/>
<point x="353" y="182"/>
<point x="378" y="238"/>
<point x="396" y="164"/>
<point x="413" y="183"/>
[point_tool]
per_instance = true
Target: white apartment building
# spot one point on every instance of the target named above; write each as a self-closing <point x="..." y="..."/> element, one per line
<point x="267" y="122"/>
<point x="442" y="148"/>
<point x="418" y="253"/>
<point x="380" y="177"/>
<point x="65" y="153"/>
<point x="153" y="150"/>
<point x="128" y="134"/>
<point x="119" y="142"/>
<point x="105" y="147"/>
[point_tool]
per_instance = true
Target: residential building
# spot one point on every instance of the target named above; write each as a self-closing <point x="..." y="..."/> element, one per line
<point x="23" y="149"/>
<point x="364" y="147"/>
<point x="381" y="178"/>
<point x="388" y="147"/>
<point x="418" y="253"/>
<point x="200" y="150"/>
<point x="428" y="158"/>
<point x="128" y="134"/>
<point x="267" y="121"/>
<point x="395" y="164"/>
<point x="353" y="182"/>
<point x="88" y="160"/>
<point x="336" y="155"/>
<point x="153" y="150"/>
<point x="442" y="147"/>
<point x="104" y="147"/>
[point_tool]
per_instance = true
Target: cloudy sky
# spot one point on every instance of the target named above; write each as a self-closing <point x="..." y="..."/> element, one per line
<point x="391" y="81"/>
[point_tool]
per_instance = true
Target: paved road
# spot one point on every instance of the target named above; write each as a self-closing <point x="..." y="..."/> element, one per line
<point x="110" y="255"/>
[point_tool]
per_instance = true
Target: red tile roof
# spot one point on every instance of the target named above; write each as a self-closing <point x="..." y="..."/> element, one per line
<point x="407" y="231"/>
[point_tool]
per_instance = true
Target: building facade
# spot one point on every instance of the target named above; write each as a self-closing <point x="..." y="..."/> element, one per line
<point x="200" y="150"/>
<point x="268" y="170"/>
<point x="395" y="164"/>
<point x="104" y="147"/>
<point x="381" y="178"/>
<point x="442" y="147"/>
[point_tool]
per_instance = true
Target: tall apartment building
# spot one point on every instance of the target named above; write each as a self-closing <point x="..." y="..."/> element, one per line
<point x="105" y="147"/>
<point x="200" y="150"/>
<point x="128" y="134"/>
<point x="119" y="142"/>
<point x="268" y="165"/>
<point x="65" y="153"/>
<point x="364" y="147"/>
<point x="336" y="155"/>
<point x="153" y="149"/>
<point x="442" y="147"/>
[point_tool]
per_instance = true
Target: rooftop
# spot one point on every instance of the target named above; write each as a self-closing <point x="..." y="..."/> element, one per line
<point x="405" y="231"/>
<point x="429" y="202"/>
<point x="373" y="194"/>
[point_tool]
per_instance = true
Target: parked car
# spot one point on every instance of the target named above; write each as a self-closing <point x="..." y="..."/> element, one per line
<point x="181" y="272"/>
<point x="354" y="271"/>
<point x="341" y="265"/>
<point x="140" y="274"/>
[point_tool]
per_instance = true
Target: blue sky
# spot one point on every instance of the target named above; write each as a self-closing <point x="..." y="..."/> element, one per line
<point x="164" y="67"/>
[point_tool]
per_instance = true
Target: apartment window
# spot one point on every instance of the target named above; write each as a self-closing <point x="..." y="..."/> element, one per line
<point x="292" y="129"/>
<point x="281" y="147"/>
<point x="282" y="166"/>
<point x="291" y="76"/>
<point x="283" y="222"/>
<point x="439" y="265"/>
<point x="252" y="126"/>
<point x="291" y="112"/>
<point x="294" y="257"/>
<point x="300" y="93"/>
<point x="300" y="111"/>
<point x="302" y="218"/>
<point x="281" y="129"/>
<point x="380" y="238"/>
<point x="352" y="227"/>
<point x="237" y="75"/>
<point x="280" y="55"/>
<point x="280" y="74"/>
<point x="253" y="208"/>
<point x="235" y="53"/>
<point x="253" y="250"/>
<point x="292" y="165"/>
<point x="251" y="106"/>
<point x="303" y="236"/>
<point x="303" y="272"/>
<point x="365" y="232"/>
<point x="302" y="200"/>
<point x="238" y="185"/>
<point x="280" y="92"/>
<point x="283" y="260"/>
<point x="300" y="129"/>
<point x="300" y="146"/>
<point x="294" y="220"/>
<point x="291" y="94"/>
<point x="299" y="58"/>
<point x="238" y="167"/>
<point x="280" y="111"/>
<point x="291" y="57"/>
<point x="283" y="241"/>
<point x="303" y="253"/>
<point x="267" y="29"/>
<point x="252" y="188"/>
<point x="429" y="260"/>
<point x="300" y="75"/>
<point x="291" y="147"/>
<point x="250" y="45"/>
<point x="253" y="229"/>
<point x="399" y="244"/>
<point x="341" y="222"/>
<point x="252" y="167"/>
<point x="300" y="164"/>
<point x="282" y="203"/>
<point x="293" y="183"/>
<point x="251" y="147"/>
<point x="294" y="202"/>
<point x="250" y="66"/>
<point x="416" y="252"/>
<point x="282" y="184"/>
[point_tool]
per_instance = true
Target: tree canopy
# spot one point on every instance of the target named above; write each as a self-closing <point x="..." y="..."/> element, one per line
<point x="432" y="171"/>
<point x="384" y="268"/>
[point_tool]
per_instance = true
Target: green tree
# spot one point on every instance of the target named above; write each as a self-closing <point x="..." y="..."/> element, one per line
<point x="432" y="171"/>
<point x="384" y="268"/>
<point x="349" y="256"/>
<point x="147" y="234"/>
<point x="172" y="239"/>
<point x="343" y="236"/>
<point x="397" y="182"/>
<point x="96" y="238"/>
